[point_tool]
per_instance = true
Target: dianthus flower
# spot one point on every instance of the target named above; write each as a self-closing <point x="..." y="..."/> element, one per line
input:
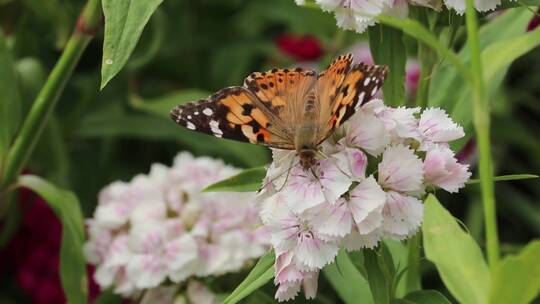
<point x="161" y="228"/>
<point x="368" y="184"/>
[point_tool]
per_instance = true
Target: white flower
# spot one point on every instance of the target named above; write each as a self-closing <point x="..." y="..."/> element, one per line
<point x="402" y="215"/>
<point x="437" y="128"/>
<point x="160" y="295"/>
<point x="290" y="233"/>
<point x="356" y="241"/>
<point x="360" y="212"/>
<point x="200" y="294"/>
<point x="306" y="189"/>
<point x="366" y="131"/>
<point x="312" y="213"/>
<point x="400" y="122"/>
<point x="401" y="170"/>
<point x="442" y="169"/>
<point x="290" y="279"/>
<point x="481" y="5"/>
<point x="161" y="227"/>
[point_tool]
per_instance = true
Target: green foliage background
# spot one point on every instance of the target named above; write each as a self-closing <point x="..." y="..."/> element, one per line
<point x="189" y="49"/>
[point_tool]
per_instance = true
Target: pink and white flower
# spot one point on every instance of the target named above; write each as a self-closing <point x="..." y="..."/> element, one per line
<point x="401" y="170"/>
<point x="368" y="186"/>
<point x="160" y="227"/>
<point x="441" y="169"/>
<point x="437" y="128"/>
<point x="307" y="189"/>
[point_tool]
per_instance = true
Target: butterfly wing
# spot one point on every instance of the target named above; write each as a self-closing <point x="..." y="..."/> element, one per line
<point x="284" y="92"/>
<point x="359" y="84"/>
<point x="233" y="113"/>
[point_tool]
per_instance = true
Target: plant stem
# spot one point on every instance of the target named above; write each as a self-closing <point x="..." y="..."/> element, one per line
<point x="427" y="59"/>
<point x="413" y="281"/>
<point x="45" y="102"/>
<point x="481" y="119"/>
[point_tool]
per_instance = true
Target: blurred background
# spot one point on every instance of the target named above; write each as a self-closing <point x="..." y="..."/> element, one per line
<point x="190" y="49"/>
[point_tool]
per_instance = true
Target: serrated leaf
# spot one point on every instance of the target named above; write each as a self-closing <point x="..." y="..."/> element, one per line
<point x="387" y="48"/>
<point x="124" y="23"/>
<point x="516" y="278"/>
<point x="347" y="281"/>
<point x="506" y="178"/>
<point x="67" y="209"/>
<point x="10" y="99"/>
<point x="456" y="255"/>
<point x="246" y="181"/>
<point x="426" y="297"/>
<point x="259" y="275"/>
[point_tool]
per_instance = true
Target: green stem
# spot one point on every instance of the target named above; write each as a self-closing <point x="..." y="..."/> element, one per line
<point x="481" y="121"/>
<point x="412" y="281"/>
<point x="45" y="102"/>
<point x="427" y="59"/>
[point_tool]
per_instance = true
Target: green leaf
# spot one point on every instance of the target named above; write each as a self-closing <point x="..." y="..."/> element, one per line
<point x="426" y="297"/>
<point x="67" y="209"/>
<point x="259" y="275"/>
<point x="104" y="125"/>
<point x="347" y="281"/>
<point x="379" y="275"/>
<point x="246" y="181"/>
<point x="516" y="279"/>
<point x="124" y="23"/>
<point x="10" y="99"/>
<point x="498" y="56"/>
<point x="162" y="106"/>
<point x="421" y="33"/>
<point x="387" y="48"/>
<point x="450" y="92"/>
<point x="108" y="297"/>
<point x="456" y="255"/>
<point x="506" y="178"/>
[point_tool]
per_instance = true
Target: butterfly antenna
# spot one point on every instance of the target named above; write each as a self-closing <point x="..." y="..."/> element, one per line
<point x="287" y="177"/>
<point x="335" y="163"/>
<point x="280" y="175"/>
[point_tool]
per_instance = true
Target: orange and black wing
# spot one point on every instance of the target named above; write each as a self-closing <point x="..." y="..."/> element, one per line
<point x="343" y="88"/>
<point x="233" y="113"/>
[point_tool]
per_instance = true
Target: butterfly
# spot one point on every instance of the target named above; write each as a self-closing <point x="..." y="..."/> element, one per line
<point x="292" y="109"/>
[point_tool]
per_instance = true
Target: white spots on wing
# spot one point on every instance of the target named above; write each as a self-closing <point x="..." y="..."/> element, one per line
<point x="214" y="126"/>
<point x="366" y="82"/>
<point x="189" y="117"/>
<point x="374" y="91"/>
<point x="190" y="126"/>
<point x="208" y="112"/>
<point x="196" y="113"/>
<point x="360" y="100"/>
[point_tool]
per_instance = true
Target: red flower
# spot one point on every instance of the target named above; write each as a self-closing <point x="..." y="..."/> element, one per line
<point x="301" y="48"/>
<point x="535" y="21"/>
<point x="33" y="255"/>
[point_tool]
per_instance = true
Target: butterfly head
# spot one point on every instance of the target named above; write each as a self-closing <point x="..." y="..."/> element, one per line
<point x="307" y="158"/>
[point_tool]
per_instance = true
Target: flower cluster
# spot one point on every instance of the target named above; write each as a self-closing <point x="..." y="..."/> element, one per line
<point x="367" y="184"/>
<point x="160" y="227"/>
<point x="358" y="15"/>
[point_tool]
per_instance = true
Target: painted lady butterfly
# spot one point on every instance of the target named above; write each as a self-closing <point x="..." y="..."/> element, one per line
<point x="286" y="109"/>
